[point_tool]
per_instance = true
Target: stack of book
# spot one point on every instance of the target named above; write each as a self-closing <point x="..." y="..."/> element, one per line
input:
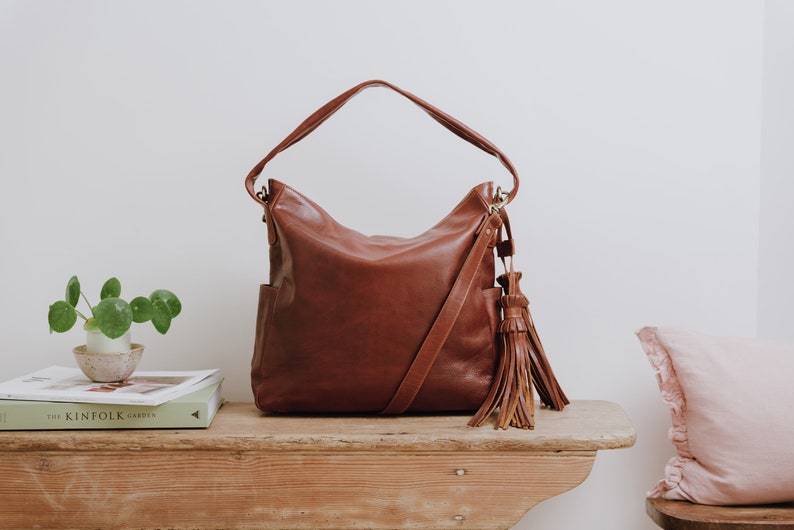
<point x="63" y="398"/>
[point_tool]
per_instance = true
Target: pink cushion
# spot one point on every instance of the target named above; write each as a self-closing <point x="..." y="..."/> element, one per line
<point x="732" y="405"/>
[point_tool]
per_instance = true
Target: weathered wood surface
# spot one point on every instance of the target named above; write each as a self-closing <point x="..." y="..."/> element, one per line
<point x="681" y="515"/>
<point x="583" y="425"/>
<point x="254" y="471"/>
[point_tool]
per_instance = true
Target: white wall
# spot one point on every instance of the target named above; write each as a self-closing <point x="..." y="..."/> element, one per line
<point x="776" y="253"/>
<point x="127" y="128"/>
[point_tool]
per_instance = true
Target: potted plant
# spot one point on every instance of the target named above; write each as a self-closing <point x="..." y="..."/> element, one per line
<point x="108" y="354"/>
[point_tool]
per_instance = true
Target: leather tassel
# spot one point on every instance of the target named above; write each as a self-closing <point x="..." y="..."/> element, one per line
<point x="522" y="363"/>
<point x="549" y="390"/>
<point x="511" y="391"/>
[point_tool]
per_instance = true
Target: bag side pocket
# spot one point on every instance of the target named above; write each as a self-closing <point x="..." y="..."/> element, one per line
<point x="264" y="313"/>
<point x="491" y="296"/>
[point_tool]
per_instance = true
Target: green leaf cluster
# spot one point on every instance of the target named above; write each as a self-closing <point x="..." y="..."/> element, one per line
<point x="113" y="316"/>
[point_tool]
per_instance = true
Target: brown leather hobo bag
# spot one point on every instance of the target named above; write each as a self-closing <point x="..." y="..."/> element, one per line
<point x="350" y="323"/>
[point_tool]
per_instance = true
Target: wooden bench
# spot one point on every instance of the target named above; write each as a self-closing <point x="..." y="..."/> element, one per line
<point x="682" y="515"/>
<point x="253" y="471"/>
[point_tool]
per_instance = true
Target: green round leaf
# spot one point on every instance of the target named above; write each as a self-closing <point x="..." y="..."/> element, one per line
<point x="90" y="324"/>
<point x="174" y="305"/>
<point x="61" y="316"/>
<point x="113" y="316"/>
<point x="162" y="315"/>
<point x="142" y="309"/>
<point x="73" y="291"/>
<point x="110" y="289"/>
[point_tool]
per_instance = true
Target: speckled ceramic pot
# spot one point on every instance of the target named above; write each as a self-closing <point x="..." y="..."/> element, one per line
<point x="108" y="367"/>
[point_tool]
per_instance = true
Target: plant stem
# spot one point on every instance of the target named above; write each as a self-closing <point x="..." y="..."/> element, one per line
<point x="88" y="304"/>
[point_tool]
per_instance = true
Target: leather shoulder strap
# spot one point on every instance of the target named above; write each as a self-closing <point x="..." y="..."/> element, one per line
<point x="325" y="112"/>
<point x="445" y="320"/>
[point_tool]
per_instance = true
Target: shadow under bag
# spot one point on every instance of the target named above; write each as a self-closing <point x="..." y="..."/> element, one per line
<point x="350" y="323"/>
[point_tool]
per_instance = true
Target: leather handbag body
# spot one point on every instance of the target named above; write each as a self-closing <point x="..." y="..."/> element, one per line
<point x="351" y="323"/>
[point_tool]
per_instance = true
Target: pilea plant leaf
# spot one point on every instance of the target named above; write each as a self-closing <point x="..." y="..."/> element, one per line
<point x="142" y="309"/>
<point x="113" y="316"/>
<point x="162" y="315"/>
<point x="110" y="289"/>
<point x="174" y="305"/>
<point x="73" y="291"/>
<point x="61" y="316"/>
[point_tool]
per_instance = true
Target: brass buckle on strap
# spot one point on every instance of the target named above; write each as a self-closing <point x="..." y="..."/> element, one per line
<point x="500" y="200"/>
<point x="262" y="194"/>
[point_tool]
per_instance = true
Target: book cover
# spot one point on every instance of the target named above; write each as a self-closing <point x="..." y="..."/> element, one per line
<point x="58" y="383"/>
<point x="194" y="410"/>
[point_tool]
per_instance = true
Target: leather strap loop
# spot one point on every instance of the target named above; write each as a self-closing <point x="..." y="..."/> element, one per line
<point x="442" y="326"/>
<point x="327" y="110"/>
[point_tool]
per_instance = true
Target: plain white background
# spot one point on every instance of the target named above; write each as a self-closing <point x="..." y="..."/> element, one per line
<point x="653" y="139"/>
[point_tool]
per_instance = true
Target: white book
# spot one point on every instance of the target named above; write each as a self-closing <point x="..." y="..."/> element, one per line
<point x="58" y="383"/>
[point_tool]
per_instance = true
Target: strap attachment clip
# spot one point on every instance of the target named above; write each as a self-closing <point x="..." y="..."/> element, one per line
<point x="500" y="200"/>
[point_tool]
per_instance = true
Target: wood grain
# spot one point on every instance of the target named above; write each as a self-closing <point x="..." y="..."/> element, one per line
<point x="582" y="425"/>
<point x="682" y="515"/>
<point x="297" y="490"/>
<point x="249" y="471"/>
